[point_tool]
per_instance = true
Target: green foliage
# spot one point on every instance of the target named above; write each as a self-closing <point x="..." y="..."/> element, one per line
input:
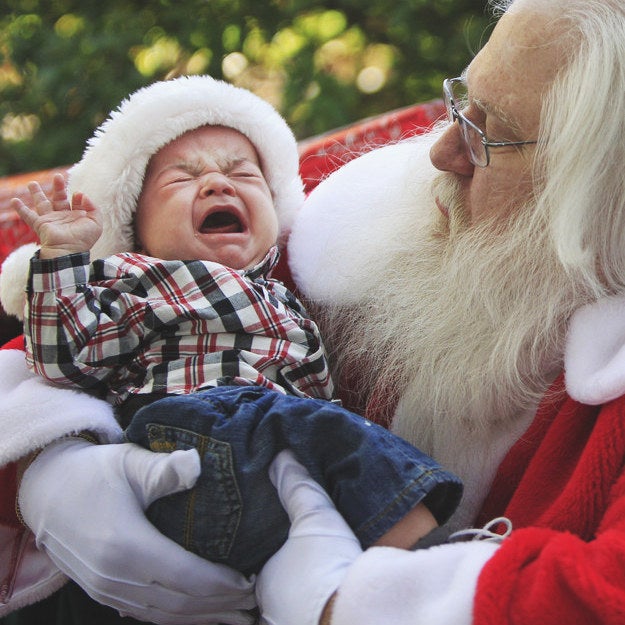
<point x="64" y="64"/>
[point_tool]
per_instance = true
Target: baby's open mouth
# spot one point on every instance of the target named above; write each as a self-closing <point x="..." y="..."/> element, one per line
<point x="221" y="222"/>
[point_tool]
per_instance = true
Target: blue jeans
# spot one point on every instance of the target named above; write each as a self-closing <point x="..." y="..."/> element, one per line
<point x="233" y="515"/>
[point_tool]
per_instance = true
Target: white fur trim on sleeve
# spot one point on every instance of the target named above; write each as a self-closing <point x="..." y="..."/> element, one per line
<point x="435" y="586"/>
<point x="33" y="412"/>
<point x="594" y="358"/>
<point x="353" y="219"/>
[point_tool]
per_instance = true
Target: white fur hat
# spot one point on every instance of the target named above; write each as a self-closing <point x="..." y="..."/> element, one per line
<point x="113" y="165"/>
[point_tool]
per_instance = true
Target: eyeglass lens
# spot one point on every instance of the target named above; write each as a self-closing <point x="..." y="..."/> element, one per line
<point x="473" y="138"/>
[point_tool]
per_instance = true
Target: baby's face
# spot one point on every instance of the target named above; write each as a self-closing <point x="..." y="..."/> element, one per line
<point x="205" y="197"/>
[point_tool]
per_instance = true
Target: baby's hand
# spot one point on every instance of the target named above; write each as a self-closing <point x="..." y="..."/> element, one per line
<point x="62" y="227"/>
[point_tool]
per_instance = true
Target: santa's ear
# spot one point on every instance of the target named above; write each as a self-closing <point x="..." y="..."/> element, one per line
<point x="354" y="219"/>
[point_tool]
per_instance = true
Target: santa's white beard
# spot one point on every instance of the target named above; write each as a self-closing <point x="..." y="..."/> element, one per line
<point x="467" y="330"/>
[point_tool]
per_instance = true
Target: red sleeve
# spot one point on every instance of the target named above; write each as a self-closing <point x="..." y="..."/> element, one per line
<point x="550" y="577"/>
<point x="566" y="563"/>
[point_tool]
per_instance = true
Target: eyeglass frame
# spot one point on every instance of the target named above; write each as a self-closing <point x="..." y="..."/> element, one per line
<point x="453" y="114"/>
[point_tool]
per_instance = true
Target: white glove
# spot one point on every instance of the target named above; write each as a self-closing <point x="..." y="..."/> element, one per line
<point x="297" y="582"/>
<point x="85" y="504"/>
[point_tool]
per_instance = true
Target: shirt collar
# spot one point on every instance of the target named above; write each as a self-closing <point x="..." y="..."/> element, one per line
<point x="264" y="266"/>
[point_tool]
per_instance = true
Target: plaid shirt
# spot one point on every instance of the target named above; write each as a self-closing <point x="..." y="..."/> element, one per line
<point x="134" y="324"/>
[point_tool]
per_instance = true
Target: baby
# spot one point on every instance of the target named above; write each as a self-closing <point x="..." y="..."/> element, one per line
<point x="151" y="288"/>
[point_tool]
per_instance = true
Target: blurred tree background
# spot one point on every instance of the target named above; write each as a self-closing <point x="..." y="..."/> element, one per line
<point x="64" y="64"/>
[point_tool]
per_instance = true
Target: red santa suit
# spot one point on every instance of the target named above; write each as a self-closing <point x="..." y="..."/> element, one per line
<point x="561" y="483"/>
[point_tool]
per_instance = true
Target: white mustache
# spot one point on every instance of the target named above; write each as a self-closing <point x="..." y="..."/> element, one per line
<point x="447" y="190"/>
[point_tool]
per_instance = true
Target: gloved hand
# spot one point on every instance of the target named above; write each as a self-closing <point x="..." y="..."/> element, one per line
<point x="297" y="582"/>
<point x="85" y="504"/>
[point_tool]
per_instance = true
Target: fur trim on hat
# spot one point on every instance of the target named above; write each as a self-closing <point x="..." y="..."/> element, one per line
<point x="113" y="165"/>
<point x="13" y="279"/>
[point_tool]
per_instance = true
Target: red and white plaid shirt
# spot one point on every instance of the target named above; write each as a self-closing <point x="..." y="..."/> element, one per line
<point x="134" y="324"/>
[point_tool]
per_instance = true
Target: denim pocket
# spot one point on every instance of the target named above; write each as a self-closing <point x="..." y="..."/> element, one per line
<point x="204" y="519"/>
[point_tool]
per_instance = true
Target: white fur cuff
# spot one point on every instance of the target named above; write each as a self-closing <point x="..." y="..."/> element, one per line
<point x="33" y="412"/>
<point x="433" y="586"/>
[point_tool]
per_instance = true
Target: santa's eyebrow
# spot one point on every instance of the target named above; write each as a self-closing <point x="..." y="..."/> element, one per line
<point x="488" y="108"/>
<point x="495" y="111"/>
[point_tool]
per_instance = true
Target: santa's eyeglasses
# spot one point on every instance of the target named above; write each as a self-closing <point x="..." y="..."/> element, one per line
<point x="477" y="145"/>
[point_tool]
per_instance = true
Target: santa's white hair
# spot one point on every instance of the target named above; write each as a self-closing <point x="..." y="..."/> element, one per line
<point x="582" y="136"/>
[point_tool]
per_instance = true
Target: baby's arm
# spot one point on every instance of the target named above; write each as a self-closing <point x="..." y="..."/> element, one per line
<point x="62" y="227"/>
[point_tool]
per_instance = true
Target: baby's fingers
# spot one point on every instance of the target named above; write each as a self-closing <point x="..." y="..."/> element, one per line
<point x="59" y="193"/>
<point x="40" y="200"/>
<point x="27" y="215"/>
<point x="81" y="202"/>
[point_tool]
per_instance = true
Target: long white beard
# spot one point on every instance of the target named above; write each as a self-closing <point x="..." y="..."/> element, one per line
<point x="467" y="330"/>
